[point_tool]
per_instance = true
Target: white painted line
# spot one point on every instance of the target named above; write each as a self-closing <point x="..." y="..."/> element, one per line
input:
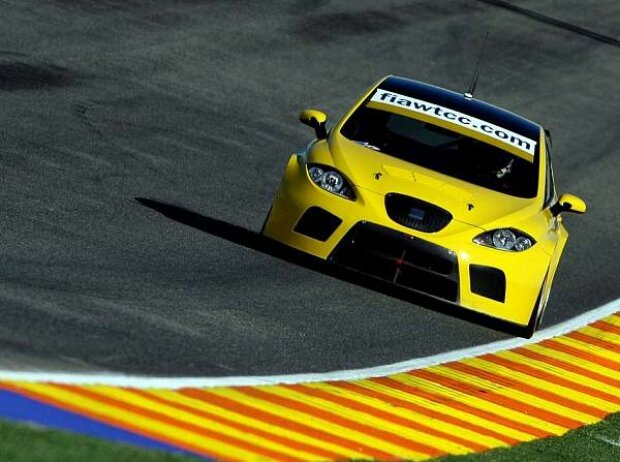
<point x="121" y="380"/>
<point x="607" y="440"/>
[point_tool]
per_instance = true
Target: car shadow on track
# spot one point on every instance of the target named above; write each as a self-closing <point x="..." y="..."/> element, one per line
<point x="256" y="241"/>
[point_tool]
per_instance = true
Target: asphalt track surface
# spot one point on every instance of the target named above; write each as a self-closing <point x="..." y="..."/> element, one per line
<point x="195" y="103"/>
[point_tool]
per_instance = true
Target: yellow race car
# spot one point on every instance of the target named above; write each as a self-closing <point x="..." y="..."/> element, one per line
<point x="433" y="191"/>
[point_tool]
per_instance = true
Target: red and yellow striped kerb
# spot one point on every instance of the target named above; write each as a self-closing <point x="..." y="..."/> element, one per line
<point x="460" y="407"/>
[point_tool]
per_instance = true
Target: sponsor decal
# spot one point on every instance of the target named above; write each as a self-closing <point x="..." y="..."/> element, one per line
<point x="503" y="135"/>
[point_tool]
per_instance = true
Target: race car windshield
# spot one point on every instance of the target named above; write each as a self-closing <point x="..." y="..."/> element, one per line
<point x="443" y="151"/>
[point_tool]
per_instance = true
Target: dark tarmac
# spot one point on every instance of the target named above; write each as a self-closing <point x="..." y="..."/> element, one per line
<point x="195" y="103"/>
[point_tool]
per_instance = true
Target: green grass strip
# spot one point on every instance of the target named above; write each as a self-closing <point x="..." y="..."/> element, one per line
<point x="26" y="443"/>
<point x="594" y="443"/>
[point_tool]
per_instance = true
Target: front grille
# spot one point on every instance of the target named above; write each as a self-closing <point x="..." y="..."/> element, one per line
<point x="416" y="214"/>
<point x="400" y="259"/>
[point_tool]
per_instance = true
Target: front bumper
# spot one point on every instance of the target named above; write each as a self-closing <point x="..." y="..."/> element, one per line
<point x="447" y="264"/>
<point x="400" y="258"/>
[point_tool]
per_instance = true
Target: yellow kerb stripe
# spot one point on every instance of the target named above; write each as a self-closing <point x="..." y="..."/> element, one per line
<point x="563" y="373"/>
<point x="542" y="384"/>
<point x="589" y="348"/>
<point x="368" y="419"/>
<point x="168" y="432"/>
<point x="202" y="422"/>
<point x="479" y="403"/>
<point x="447" y="409"/>
<point x="576" y="361"/>
<point x="515" y="394"/>
<point x="614" y="320"/>
<point x="174" y="397"/>
<point x="383" y="406"/>
<point x="601" y="334"/>
<point x="314" y="422"/>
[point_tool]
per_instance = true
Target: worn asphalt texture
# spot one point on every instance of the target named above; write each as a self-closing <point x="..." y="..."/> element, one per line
<point x="195" y="103"/>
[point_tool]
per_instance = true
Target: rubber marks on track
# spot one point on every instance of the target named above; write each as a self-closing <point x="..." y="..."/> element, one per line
<point x="469" y="405"/>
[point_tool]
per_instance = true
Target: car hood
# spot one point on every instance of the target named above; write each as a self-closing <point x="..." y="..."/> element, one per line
<point x="384" y="174"/>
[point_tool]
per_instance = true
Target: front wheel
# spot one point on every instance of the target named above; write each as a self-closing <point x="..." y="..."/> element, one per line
<point x="536" y="317"/>
<point x="262" y="229"/>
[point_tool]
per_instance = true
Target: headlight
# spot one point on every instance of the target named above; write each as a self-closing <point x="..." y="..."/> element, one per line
<point x="506" y="239"/>
<point x="330" y="180"/>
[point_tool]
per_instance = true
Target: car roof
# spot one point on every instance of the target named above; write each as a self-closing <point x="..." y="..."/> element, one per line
<point x="459" y="102"/>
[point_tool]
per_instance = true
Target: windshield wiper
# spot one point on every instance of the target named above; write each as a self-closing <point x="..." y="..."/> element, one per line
<point x="366" y="144"/>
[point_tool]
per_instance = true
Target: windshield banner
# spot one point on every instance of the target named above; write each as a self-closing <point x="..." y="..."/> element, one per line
<point x="458" y="118"/>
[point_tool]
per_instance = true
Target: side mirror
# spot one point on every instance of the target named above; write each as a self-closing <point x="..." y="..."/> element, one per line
<point x="569" y="203"/>
<point x="315" y="119"/>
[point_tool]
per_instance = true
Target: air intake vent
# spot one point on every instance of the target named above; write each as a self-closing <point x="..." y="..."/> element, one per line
<point x="317" y="223"/>
<point x="416" y="214"/>
<point x="399" y="258"/>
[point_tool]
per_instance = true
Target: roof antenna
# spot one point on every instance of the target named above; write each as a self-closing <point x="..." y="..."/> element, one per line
<point x="472" y="88"/>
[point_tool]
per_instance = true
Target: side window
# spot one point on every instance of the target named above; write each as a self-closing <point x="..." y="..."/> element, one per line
<point x="550" y="194"/>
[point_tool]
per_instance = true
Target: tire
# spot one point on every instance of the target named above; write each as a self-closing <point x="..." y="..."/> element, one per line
<point x="262" y="228"/>
<point x="536" y="317"/>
